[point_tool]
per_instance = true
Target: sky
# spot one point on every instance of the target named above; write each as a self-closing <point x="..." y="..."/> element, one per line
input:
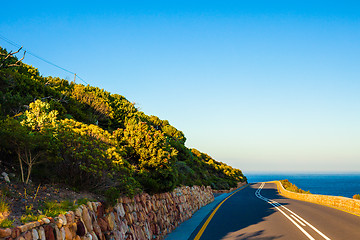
<point x="264" y="86"/>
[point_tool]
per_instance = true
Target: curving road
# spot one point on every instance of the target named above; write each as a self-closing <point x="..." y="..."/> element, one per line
<point x="259" y="212"/>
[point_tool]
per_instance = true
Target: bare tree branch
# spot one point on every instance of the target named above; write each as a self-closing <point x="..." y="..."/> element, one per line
<point x="16" y="64"/>
<point x="10" y="54"/>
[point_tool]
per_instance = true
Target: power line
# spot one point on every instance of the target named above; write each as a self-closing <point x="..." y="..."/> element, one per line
<point x="42" y="59"/>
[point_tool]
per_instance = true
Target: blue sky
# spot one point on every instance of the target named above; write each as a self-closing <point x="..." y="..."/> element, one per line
<point x="261" y="85"/>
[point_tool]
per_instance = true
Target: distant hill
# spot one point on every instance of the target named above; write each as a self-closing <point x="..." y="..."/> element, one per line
<point x="53" y="130"/>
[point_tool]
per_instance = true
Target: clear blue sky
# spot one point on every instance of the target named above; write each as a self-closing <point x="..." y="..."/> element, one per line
<point x="260" y="85"/>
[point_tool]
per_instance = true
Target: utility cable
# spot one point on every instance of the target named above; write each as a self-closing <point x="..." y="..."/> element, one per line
<point x="42" y="59"/>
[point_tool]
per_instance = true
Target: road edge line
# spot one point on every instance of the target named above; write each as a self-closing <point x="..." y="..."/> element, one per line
<point x="201" y="231"/>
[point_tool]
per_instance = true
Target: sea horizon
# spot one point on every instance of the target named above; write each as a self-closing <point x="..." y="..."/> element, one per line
<point x="345" y="184"/>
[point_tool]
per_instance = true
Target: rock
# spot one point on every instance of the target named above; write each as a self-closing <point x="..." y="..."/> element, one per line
<point x="111" y="221"/>
<point x="94" y="206"/>
<point x="87" y="237"/>
<point x="58" y="233"/>
<point x="5" y="232"/>
<point x="28" y="235"/>
<point x="41" y="232"/>
<point x="63" y="234"/>
<point x="15" y="232"/>
<point x="117" y="235"/>
<point x="147" y="232"/>
<point x="45" y="220"/>
<point x="103" y="225"/>
<point x="97" y="230"/>
<point x="81" y="231"/>
<point x="35" y="235"/>
<point x="129" y="218"/>
<point x="68" y="233"/>
<point x="6" y="177"/>
<point x="59" y="222"/>
<point x="90" y="206"/>
<point x="134" y="217"/>
<point x="23" y="228"/>
<point x="87" y="220"/>
<point x="73" y="228"/>
<point x="100" y="211"/>
<point x="78" y="212"/>
<point x="69" y="217"/>
<point x="32" y="225"/>
<point x="120" y="210"/>
<point x="63" y="218"/>
<point x="93" y="236"/>
<point x="123" y="228"/>
<point x="126" y="207"/>
<point x="131" y="232"/>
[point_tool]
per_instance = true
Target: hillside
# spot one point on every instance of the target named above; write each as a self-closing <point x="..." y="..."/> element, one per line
<point x="56" y="131"/>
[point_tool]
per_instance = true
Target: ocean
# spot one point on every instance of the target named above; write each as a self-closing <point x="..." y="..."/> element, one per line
<point x="346" y="185"/>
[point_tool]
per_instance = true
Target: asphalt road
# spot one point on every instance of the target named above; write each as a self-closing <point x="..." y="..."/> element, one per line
<point x="259" y="212"/>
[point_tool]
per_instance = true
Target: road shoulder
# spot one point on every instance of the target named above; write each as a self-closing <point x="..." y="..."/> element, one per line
<point x="185" y="229"/>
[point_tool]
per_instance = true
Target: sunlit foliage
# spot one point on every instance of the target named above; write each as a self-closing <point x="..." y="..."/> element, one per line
<point x="88" y="138"/>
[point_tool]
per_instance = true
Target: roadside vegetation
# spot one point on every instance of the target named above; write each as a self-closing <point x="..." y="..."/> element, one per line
<point x="53" y="131"/>
<point x="292" y="187"/>
<point x="356" y="196"/>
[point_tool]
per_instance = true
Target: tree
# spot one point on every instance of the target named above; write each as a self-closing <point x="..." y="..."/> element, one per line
<point x="39" y="116"/>
<point x="28" y="146"/>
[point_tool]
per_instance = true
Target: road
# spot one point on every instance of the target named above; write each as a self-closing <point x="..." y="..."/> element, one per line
<point x="259" y="212"/>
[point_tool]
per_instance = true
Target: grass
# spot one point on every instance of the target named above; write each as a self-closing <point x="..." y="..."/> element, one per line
<point x="292" y="187"/>
<point x="30" y="218"/>
<point x="4" y="206"/>
<point x="52" y="209"/>
<point x="6" y="223"/>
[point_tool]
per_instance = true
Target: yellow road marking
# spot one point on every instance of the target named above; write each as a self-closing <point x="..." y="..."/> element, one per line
<point x="198" y="236"/>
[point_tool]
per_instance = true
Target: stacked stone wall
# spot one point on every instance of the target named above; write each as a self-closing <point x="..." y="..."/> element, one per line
<point x="143" y="217"/>
<point x="342" y="203"/>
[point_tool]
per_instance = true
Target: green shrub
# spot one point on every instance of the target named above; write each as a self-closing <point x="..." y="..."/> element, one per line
<point x="292" y="187"/>
<point x="88" y="138"/>
<point x="6" y="223"/>
<point x="111" y="195"/>
<point x="356" y="196"/>
<point x="82" y="201"/>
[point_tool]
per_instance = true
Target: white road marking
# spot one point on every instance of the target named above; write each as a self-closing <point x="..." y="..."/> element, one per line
<point x="298" y="220"/>
<point x="294" y="215"/>
<point x="323" y="235"/>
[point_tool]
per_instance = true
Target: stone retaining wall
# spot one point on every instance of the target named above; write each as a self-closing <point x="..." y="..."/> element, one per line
<point x="343" y="203"/>
<point x="143" y="217"/>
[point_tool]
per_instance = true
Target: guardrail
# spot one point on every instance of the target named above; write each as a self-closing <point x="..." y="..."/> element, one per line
<point x="342" y="203"/>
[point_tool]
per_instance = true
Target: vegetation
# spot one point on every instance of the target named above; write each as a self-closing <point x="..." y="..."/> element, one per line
<point x="4" y="206"/>
<point x="6" y="223"/>
<point x="53" y="130"/>
<point x="292" y="187"/>
<point x="356" y="196"/>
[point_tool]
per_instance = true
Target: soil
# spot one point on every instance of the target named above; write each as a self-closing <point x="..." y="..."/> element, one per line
<point x="20" y="196"/>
